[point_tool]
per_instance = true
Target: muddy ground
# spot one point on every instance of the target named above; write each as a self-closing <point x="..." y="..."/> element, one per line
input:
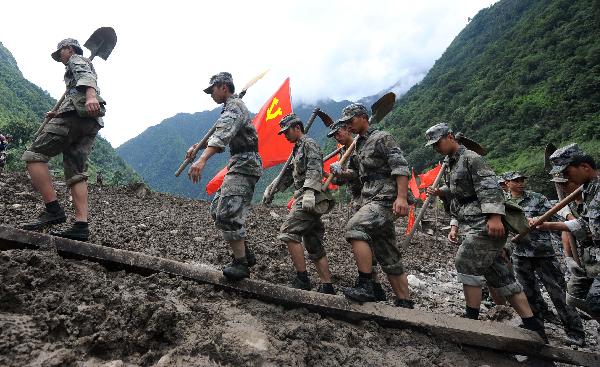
<point x="57" y="312"/>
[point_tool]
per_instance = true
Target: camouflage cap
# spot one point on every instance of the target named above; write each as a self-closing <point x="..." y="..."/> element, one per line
<point x="514" y="175"/>
<point x="64" y="43"/>
<point x="559" y="178"/>
<point x="287" y="121"/>
<point x="334" y="128"/>
<point x="221" y="78"/>
<point x="564" y="156"/>
<point x="352" y="110"/>
<point x="436" y="132"/>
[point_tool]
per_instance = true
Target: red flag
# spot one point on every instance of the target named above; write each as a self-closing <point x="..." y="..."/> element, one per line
<point x="412" y="184"/>
<point x="411" y="219"/>
<point x="428" y="177"/>
<point x="273" y="149"/>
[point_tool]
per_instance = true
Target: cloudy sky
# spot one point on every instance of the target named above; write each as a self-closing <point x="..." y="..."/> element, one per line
<point x="167" y="50"/>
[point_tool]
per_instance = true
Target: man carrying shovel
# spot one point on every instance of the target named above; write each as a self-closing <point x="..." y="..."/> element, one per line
<point x="383" y="172"/>
<point x="231" y="203"/>
<point x="475" y="200"/>
<point x="71" y="130"/>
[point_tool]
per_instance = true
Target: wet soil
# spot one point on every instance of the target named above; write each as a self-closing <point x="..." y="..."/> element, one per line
<point x="55" y="311"/>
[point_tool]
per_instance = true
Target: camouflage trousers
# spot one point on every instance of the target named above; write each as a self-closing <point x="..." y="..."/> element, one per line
<point x="552" y="277"/>
<point x="306" y="228"/>
<point x="374" y="223"/>
<point x="71" y="135"/>
<point x="231" y="203"/>
<point x="587" y="287"/>
<point x="479" y="255"/>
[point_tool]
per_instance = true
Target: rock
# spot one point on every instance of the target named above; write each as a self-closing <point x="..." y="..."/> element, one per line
<point x="274" y="215"/>
<point x="415" y="282"/>
<point x="199" y="239"/>
<point x="174" y="231"/>
<point x="16" y="206"/>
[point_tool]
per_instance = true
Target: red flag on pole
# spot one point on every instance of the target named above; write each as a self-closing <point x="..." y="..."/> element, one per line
<point x="411" y="219"/>
<point x="428" y="178"/>
<point x="273" y="149"/>
<point x="412" y="184"/>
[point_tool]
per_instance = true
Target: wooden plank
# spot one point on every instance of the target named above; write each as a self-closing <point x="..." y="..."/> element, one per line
<point x="491" y="335"/>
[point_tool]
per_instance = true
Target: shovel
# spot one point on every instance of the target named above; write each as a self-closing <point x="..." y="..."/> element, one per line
<point x="101" y="43"/>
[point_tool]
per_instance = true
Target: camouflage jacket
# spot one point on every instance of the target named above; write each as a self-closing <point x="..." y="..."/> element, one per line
<point x="354" y="185"/>
<point x="540" y="244"/>
<point x="234" y="128"/>
<point x="306" y="170"/>
<point x="588" y="224"/>
<point x="377" y="161"/>
<point x="471" y="190"/>
<point x="79" y="75"/>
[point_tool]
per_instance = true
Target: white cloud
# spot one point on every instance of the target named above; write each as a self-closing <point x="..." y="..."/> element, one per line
<point x="167" y="51"/>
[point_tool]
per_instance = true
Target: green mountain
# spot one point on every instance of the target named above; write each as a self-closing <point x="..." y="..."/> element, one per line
<point x="157" y="152"/>
<point x="521" y="74"/>
<point x="22" y="107"/>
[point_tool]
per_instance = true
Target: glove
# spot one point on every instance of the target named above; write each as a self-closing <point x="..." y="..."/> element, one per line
<point x="268" y="195"/>
<point x="308" y="201"/>
<point x="574" y="268"/>
<point x="335" y="168"/>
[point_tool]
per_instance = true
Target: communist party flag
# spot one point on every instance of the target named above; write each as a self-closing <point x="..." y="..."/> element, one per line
<point x="272" y="148"/>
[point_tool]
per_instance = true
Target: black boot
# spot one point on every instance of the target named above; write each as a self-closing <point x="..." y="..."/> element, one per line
<point x="301" y="281"/>
<point x="237" y="270"/>
<point x="380" y="295"/>
<point x="250" y="256"/>
<point x="326" y="288"/>
<point x="54" y="214"/>
<point x="576" y="338"/>
<point x="405" y="303"/>
<point x="534" y="324"/>
<point x="363" y="292"/>
<point x="79" y="231"/>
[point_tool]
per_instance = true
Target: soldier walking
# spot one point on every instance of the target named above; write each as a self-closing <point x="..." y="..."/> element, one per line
<point x="342" y="134"/>
<point x="383" y="172"/>
<point x="579" y="168"/>
<point x="303" y="224"/>
<point x="71" y="132"/>
<point x="231" y="203"/>
<point x="534" y="257"/>
<point x="475" y="200"/>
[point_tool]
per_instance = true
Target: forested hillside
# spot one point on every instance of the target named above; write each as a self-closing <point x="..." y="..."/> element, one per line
<point x="521" y="74"/>
<point x="22" y="107"/>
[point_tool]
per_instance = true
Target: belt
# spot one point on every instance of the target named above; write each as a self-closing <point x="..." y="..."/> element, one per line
<point x="375" y="176"/>
<point x="467" y="200"/>
<point x="250" y="149"/>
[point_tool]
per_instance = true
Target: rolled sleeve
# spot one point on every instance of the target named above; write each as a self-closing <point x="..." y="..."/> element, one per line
<point x="83" y="73"/>
<point x="398" y="164"/>
<point x="487" y="189"/>
<point x="227" y="126"/>
<point x="314" y="166"/>
<point x="579" y="228"/>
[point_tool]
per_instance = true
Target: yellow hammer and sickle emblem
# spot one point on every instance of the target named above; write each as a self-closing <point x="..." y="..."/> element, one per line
<point x="270" y="114"/>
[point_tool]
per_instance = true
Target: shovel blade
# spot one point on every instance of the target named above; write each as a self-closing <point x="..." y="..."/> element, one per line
<point x="102" y="42"/>
<point x="327" y="120"/>
<point x="550" y="148"/>
<point x="382" y="107"/>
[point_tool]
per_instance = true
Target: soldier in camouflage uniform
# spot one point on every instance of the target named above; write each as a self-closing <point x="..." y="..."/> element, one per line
<point x="383" y="172"/>
<point x="535" y="256"/>
<point x="580" y="168"/>
<point x="475" y="200"/>
<point x="231" y="203"/>
<point x="582" y="276"/>
<point x="72" y="135"/>
<point x="342" y="134"/>
<point x="303" y="223"/>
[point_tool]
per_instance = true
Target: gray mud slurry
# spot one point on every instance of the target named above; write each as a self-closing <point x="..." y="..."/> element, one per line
<point x="55" y="311"/>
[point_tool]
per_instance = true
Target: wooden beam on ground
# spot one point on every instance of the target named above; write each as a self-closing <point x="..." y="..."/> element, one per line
<point x="492" y="335"/>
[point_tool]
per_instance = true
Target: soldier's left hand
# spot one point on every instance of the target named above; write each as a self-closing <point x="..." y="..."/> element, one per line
<point x="195" y="171"/>
<point x="92" y="106"/>
<point x="400" y="207"/>
<point x="495" y="227"/>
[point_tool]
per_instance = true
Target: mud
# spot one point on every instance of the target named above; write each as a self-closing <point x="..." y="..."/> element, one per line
<point x="55" y="311"/>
